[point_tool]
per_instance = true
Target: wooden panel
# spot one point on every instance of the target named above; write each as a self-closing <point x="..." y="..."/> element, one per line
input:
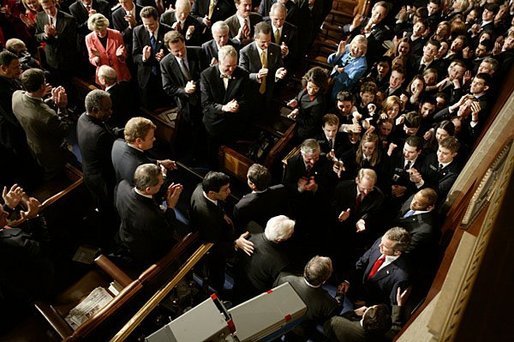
<point x="234" y="162"/>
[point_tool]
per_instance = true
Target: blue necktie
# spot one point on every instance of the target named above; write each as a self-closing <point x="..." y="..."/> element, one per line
<point x="153" y="43"/>
<point x="409" y="213"/>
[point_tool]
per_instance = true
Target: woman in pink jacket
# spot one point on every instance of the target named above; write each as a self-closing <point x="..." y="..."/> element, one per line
<point x="105" y="47"/>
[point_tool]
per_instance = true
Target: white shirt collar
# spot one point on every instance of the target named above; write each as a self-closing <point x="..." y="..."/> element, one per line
<point x="210" y="200"/>
<point x="139" y="192"/>
<point x="134" y="147"/>
<point x="310" y="285"/>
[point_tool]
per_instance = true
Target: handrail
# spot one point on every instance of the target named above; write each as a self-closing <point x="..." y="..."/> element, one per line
<point x="152" y="303"/>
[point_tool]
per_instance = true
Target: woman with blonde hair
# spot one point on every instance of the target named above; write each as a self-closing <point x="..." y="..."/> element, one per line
<point x="105" y="47"/>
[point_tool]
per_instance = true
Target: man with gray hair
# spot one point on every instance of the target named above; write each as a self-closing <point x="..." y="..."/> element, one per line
<point x="223" y="88"/>
<point x="122" y="96"/>
<point x="310" y="179"/>
<point x="320" y="304"/>
<point x="147" y="231"/>
<point x="257" y="272"/>
<point x="220" y="38"/>
<point x="95" y="141"/>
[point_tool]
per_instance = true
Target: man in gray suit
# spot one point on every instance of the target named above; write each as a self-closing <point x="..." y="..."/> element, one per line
<point x="45" y="128"/>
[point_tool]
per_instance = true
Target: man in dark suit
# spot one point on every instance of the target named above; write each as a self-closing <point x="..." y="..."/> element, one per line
<point x="13" y="141"/>
<point x="320" y="305"/>
<point x="220" y="38"/>
<point x="263" y="60"/>
<point x="419" y="64"/>
<point x="129" y="154"/>
<point x="382" y="269"/>
<point x="44" y="127"/>
<point x="242" y="23"/>
<point x="209" y="218"/>
<point x="283" y="33"/>
<point x="82" y="9"/>
<point x="290" y="6"/>
<point x="374" y="28"/>
<point x="443" y="168"/>
<point x="124" y="19"/>
<point x="147" y="51"/>
<point x="180" y="20"/>
<point x="310" y="179"/>
<point x="263" y="203"/>
<point x="332" y="142"/>
<point x="146" y="231"/>
<point x="58" y="30"/>
<point x="224" y="102"/>
<point x="418" y="217"/>
<point x="208" y="12"/>
<point x="95" y="141"/>
<point x="180" y="72"/>
<point x="472" y="109"/>
<point x="407" y="165"/>
<point x="256" y="273"/>
<point x="123" y="97"/>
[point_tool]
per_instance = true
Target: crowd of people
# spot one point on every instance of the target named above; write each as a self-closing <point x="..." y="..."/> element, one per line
<point x="384" y="130"/>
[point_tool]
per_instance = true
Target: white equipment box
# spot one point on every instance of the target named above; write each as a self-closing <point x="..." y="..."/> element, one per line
<point x="267" y="313"/>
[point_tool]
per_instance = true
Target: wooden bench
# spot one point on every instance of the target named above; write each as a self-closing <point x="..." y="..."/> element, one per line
<point x="55" y="190"/>
<point x="108" y="275"/>
<point x="236" y="162"/>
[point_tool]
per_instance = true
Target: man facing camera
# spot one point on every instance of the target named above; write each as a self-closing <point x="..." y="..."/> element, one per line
<point x="224" y="102"/>
<point x="146" y="232"/>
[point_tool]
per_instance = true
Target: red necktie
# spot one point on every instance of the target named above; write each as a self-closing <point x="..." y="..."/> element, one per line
<point x="376" y="266"/>
<point x="179" y="27"/>
<point x="358" y="201"/>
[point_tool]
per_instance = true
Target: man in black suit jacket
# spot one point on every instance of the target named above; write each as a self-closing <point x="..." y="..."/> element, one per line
<point x="418" y="217"/>
<point x="242" y="23"/>
<point x="180" y="72"/>
<point x="129" y="154"/>
<point x="123" y="97"/>
<point x="356" y="204"/>
<point x="263" y="203"/>
<point x="382" y="269"/>
<point x="209" y="218"/>
<point x="310" y="180"/>
<point x="332" y="142"/>
<point x="406" y="168"/>
<point x="374" y="28"/>
<point x="95" y="142"/>
<point x="291" y="7"/>
<point x="320" y="305"/>
<point x="13" y="141"/>
<point x="219" y="39"/>
<point x="224" y="87"/>
<point x="419" y="64"/>
<point x="207" y="15"/>
<point x="284" y="31"/>
<point x="443" y="168"/>
<point x="146" y="231"/>
<point x="124" y="19"/>
<point x="147" y="51"/>
<point x="256" y="273"/>
<point x="180" y="20"/>
<point x="59" y="32"/>
<point x="263" y="60"/>
<point x="82" y="9"/>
